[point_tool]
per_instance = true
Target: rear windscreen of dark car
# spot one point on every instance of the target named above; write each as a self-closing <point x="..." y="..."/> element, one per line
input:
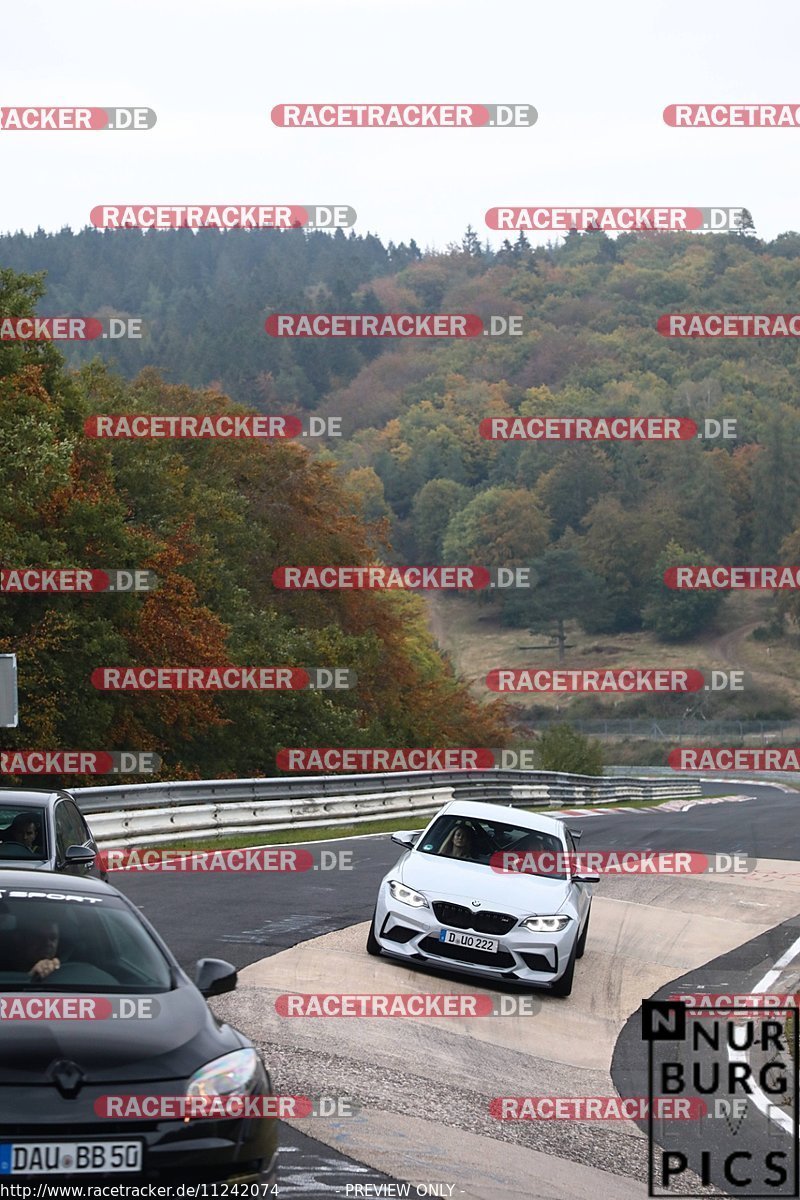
<point x="99" y="943"/>
<point x="23" y="833"/>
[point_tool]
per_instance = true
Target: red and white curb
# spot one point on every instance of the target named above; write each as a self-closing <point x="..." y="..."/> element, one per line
<point x="667" y="806"/>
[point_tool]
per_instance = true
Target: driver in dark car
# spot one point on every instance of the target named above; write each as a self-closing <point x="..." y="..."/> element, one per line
<point x="36" y="950"/>
<point x="23" y="830"/>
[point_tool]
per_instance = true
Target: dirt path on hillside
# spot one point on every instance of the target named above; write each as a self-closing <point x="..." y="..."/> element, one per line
<point x="727" y="647"/>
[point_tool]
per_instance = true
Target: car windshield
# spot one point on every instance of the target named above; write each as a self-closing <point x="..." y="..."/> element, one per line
<point x="99" y="944"/>
<point x="486" y="842"/>
<point x="23" y="833"/>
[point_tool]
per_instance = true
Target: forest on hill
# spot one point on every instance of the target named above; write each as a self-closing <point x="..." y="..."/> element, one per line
<point x="598" y="521"/>
<point x="212" y="519"/>
<point x="203" y="299"/>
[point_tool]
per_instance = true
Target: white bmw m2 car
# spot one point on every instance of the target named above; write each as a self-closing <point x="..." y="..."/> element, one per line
<point x="488" y="890"/>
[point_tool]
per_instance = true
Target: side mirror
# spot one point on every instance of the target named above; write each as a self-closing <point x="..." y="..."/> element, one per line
<point x="407" y="840"/>
<point x="79" y="856"/>
<point x="213" y="976"/>
<point x="585" y="878"/>
<point x="576" y="833"/>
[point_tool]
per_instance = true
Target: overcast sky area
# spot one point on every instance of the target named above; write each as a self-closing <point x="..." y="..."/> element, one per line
<point x="599" y="75"/>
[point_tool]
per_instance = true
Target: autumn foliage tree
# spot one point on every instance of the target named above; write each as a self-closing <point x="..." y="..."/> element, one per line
<point x="213" y="519"/>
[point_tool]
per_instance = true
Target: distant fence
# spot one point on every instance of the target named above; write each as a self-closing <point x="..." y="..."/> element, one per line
<point x="679" y="730"/>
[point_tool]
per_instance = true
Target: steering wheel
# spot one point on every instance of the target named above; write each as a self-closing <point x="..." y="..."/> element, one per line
<point x="19" y="845"/>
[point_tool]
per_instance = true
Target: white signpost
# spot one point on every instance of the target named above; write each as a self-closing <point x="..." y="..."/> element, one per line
<point x="9" y="709"/>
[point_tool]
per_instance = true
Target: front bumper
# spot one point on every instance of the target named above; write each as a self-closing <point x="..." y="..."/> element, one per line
<point x="413" y="934"/>
<point x="174" y="1151"/>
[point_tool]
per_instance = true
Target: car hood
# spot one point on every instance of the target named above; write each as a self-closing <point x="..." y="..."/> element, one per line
<point x="461" y="882"/>
<point x="183" y="1036"/>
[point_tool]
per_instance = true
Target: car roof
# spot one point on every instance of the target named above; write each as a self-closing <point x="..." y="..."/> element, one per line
<point x="504" y="812"/>
<point x="30" y="797"/>
<point x="45" y="881"/>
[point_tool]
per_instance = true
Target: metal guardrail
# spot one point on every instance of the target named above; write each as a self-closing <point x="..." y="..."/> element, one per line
<point x="719" y="776"/>
<point x="155" y="813"/>
<point x="679" y="729"/>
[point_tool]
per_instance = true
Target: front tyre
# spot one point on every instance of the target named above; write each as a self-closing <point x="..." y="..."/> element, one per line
<point x="373" y="946"/>
<point x="584" y="934"/>
<point x="563" y="986"/>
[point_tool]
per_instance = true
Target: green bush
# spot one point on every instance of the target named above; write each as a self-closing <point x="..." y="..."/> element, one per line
<point x="562" y="748"/>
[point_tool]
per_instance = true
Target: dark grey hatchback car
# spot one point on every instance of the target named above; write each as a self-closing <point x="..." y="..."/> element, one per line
<point x="45" y="830"/>
<point x="70" y="1075"/>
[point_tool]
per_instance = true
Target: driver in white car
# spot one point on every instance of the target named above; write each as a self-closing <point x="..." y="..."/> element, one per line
<point x="458" y="843"/>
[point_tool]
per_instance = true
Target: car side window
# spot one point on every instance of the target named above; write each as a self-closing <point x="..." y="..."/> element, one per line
<point x="76" y="825"/>
<point x="571" y="849"/>
<point x="70" y="828"/>
<point x="62" y="832"/>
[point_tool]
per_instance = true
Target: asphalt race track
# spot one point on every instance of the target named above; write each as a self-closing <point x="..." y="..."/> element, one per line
<point x="424" y="1084"/>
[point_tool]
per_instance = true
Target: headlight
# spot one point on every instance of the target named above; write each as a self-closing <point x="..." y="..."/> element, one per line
<point x="407" y="895"/>
<point x="238" y="1074"/>
<point x="546" y="924"/>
